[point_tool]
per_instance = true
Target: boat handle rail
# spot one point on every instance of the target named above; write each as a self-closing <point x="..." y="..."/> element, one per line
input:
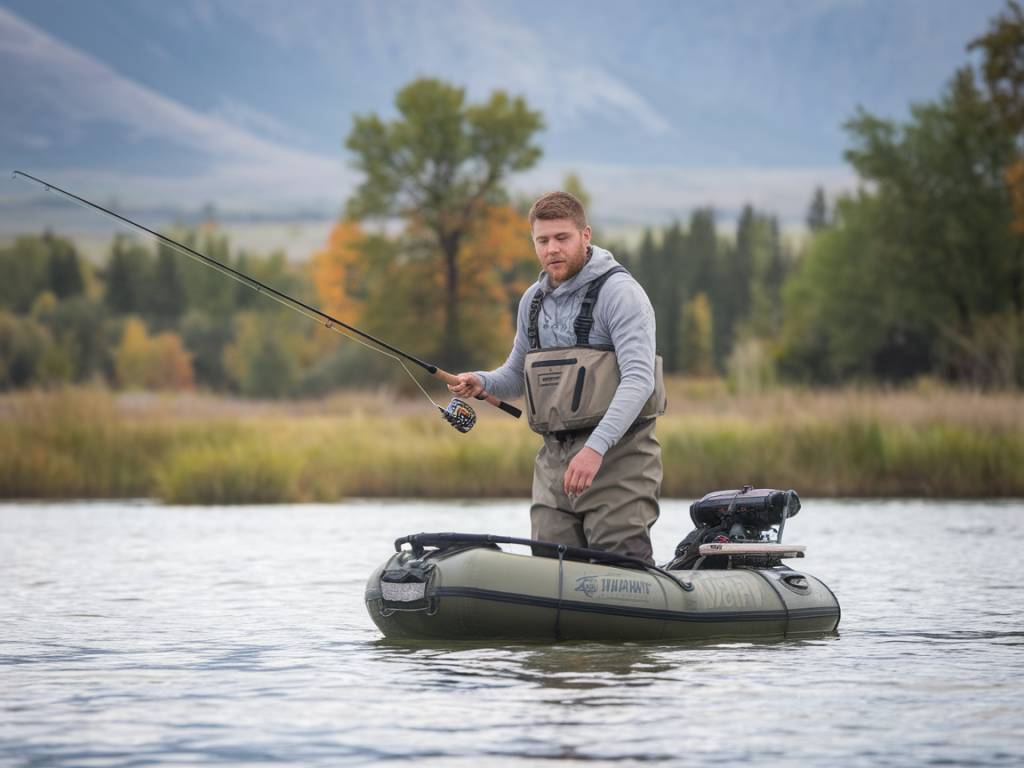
<point x="419" y="541"/>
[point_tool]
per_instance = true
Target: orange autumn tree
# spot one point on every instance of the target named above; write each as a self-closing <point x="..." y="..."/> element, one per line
<point x="497" y="264"/>
<point x="152" y="362"/>
<point x="504" y="236"/>
<point x="438" y="165"/>
<point x="339" y="272"/>
<point x="1002" y="68"/>
<point x="339" y="275"/>
<point x="392" y="287"/>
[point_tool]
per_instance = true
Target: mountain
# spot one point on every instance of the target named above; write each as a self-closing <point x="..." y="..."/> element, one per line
<point x="659" y="106"/>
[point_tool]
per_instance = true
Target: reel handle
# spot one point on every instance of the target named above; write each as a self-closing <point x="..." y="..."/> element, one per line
<point x="511" y="410"/>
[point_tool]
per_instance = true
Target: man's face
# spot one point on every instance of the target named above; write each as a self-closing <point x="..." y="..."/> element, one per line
<point x="561" y="248"/>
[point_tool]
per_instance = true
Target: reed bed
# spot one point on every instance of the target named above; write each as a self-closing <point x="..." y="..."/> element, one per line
<point x="195" y="449"/>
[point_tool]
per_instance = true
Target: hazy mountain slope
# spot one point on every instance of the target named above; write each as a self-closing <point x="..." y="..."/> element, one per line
<point x="660" y="106"/>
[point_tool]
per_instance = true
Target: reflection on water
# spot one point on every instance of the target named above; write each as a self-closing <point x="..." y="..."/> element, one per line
<point x="580" y="666"/>
<point x="134" y="634"/>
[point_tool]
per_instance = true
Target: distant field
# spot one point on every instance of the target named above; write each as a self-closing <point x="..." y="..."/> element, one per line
<point x="92" y="234"/>
<point x="192" y="448"/>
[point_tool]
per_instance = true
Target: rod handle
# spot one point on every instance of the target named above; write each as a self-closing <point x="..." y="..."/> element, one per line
<point x="511" y="410"/>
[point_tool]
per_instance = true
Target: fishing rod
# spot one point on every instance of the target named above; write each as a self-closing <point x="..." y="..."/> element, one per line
<point x="458" y="413"/>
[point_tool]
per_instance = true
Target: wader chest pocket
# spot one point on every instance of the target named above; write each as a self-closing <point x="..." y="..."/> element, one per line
<point x="549" y="374"/>
<point x="570" y="391"/>
<point x="570" y="388"/>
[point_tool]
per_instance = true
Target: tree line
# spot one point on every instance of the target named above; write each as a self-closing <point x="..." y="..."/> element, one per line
<point x="918" y="272"/>
<point x="921" y="271"/>
<point x="145" y="318"/>
<point x="712" y="293"/>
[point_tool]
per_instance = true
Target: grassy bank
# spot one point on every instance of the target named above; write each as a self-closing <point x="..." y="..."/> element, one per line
<point x="196" y="449"/>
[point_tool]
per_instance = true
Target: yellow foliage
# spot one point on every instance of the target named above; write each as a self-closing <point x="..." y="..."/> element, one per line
<point x="172" y="364"/>
<point x="498" y="265"/>
<point x="400" y="295"/>
<point x="696" y="337"/>
<point x="158" y="362"/>
<point x="263" y="358"/>
<point x="131" y="358"/>
<point x="503" y="237"/>
<point x="1014" y="176"/>
<point x="339" y="272"/>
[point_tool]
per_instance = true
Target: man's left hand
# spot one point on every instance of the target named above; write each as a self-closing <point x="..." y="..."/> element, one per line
<point x="581" y="472"/>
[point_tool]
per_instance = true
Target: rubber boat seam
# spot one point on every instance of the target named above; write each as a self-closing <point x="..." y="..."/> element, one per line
<point x="839" y="609"/>
<point x="558" y="609"/>
<point x="778" y="594"/>
<point x="664" y="596"/>
<point x="644" y="613"/>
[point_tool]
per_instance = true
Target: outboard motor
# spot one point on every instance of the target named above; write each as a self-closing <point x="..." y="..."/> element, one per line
<point x="744" y="515"/>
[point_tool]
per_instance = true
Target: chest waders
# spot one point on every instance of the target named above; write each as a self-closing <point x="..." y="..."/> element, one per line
<point x="570" y="388"/>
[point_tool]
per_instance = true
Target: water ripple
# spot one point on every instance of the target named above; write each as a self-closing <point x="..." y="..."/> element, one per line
<point x="129" y="638"/>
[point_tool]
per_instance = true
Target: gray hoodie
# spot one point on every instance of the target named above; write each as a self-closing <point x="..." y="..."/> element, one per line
<point x="623" y="318"/>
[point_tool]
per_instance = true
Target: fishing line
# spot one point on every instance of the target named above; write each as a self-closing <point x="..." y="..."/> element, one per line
<point x="458" y="413"/>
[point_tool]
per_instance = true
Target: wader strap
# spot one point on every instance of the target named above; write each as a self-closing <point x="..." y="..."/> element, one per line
<point x="585" y="319"/>
<point x="531" y="326"/>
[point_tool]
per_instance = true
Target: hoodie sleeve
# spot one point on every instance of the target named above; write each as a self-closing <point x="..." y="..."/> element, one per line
<point x="627" y="313"/>
<point x="506" y="382"/>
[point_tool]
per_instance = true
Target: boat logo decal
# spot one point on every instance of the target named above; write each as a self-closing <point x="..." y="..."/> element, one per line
<point x="587" y="585"/>
<point x="614" y="587"/>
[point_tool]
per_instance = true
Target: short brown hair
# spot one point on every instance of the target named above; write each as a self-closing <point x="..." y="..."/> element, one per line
<point x="559" y="205"/>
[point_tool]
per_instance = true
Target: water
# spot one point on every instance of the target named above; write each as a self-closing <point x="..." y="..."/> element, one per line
<point x="133" y="634"/>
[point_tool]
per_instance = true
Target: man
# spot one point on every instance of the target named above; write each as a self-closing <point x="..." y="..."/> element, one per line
<point x="584" y="354"/>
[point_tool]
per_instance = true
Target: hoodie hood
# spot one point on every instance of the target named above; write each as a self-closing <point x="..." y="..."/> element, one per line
<point x="561" y="305"/>
<point x="600" y="261"/>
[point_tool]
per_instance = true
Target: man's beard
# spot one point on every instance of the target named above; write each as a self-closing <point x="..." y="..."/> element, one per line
<point x="570" y="261"/>
<point x="581" y="257"/>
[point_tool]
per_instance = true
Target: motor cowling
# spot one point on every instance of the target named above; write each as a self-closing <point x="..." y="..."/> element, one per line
<point x="756" y="509"/>
<point x="735" y="515"/>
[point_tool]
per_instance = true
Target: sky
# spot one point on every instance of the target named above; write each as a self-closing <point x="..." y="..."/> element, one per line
<point x="659" y="107"/>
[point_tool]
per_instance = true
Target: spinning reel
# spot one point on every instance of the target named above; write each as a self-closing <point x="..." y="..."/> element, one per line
<point x="459" y="415"/>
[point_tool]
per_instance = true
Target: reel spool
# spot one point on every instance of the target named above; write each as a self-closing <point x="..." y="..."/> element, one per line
<point x="459" y="415"/>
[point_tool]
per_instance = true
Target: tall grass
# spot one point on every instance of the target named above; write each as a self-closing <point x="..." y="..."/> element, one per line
<point x="81" y="443"/>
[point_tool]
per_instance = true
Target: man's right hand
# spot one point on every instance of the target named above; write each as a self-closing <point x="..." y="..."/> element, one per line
<point x="469" y="385"/>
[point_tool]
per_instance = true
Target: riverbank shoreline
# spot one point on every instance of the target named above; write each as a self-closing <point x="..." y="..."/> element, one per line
<point x="202" y="449"/>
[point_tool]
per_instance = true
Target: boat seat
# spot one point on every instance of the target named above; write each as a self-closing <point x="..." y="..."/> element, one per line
<point x="752" y="548"/>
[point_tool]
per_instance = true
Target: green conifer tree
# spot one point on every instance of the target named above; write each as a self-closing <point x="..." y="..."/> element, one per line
<point x="166" y="300"/>
<point x="65" y="271"/>
<point x="670" y="293"/>
<point x="702" y="250"/>
<point x="817" y="212"/>
<point x="730" y="299"/>
<point x="127" y="276"/>
<point x="696" y="355"/>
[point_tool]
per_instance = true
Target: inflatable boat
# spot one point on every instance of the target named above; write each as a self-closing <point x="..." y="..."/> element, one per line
<point x="727" y="580"/>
